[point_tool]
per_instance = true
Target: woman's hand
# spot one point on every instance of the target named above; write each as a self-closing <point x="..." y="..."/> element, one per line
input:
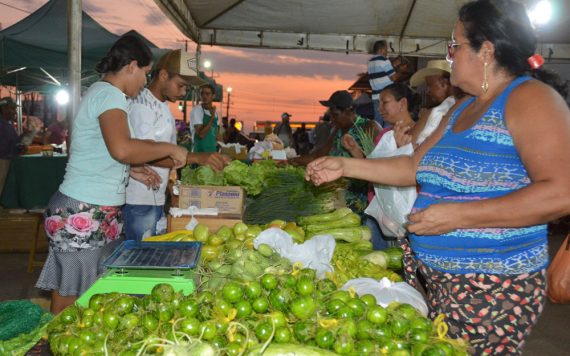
<point x="435" y="220"/>
<point x="350" y="144"/>
<point x="179" y="156"/>
<point x="401" y="134"/>
<point x="215" y="160"/>
<point x="325" y="169"/>
<point x="146" y="176"/>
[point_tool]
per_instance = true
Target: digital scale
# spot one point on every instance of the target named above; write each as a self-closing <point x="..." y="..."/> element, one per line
<point x="136" y="267"/>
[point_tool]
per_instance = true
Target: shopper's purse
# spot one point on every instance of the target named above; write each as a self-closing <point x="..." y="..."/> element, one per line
<point x="559" y="274"/>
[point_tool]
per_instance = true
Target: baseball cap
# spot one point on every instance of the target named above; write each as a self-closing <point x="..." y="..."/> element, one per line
<point x="8" y="101"/>
<point x="181" y="63"/>
<point x="340" y="99"/>
<point x="285" y="114"/>
<point x="434" y="67"/>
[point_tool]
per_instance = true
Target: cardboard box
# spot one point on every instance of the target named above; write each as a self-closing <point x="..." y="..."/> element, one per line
<point x="233" y="153"/>
<point x="214" y="223"/>
<point x="228" y="200"/>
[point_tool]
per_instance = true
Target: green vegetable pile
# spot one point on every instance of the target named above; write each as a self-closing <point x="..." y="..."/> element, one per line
<point x="287" y="314"/>
<point x="251" y="177"/>
<point x="342" y="224"/>
<point x="242" y="264"/>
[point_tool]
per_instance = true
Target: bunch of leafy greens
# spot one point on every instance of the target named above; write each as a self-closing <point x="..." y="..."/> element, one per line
<point x="252" y="178"/>
<point x="202" y="176"/>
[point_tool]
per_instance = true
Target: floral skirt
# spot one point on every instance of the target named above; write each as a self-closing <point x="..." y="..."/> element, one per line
<point x="72" y="225"/>
<point x="494" y="313"/>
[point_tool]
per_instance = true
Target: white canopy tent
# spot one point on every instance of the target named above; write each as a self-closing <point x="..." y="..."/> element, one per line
<point x="412" y="27"/>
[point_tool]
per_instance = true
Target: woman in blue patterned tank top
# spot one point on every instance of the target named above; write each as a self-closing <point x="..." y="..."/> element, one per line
<point x="491" y="177"/>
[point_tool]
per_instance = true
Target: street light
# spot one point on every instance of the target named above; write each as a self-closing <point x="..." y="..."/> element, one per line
<point x="207" y="65"/>
<point x="229" y="90"/>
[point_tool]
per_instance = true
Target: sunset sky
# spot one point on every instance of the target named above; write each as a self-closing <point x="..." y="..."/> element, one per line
<point x="265" y="82"/>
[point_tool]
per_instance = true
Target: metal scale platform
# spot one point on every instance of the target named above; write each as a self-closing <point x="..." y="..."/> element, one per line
<point x="136" y="267"/>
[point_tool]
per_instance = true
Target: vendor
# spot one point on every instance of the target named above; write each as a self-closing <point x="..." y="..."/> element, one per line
<point x="346" y="123"/>
<point x="56" y="133"/>
<point x="83" y="219"/>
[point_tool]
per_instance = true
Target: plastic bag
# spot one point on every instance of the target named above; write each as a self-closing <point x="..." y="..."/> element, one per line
<point x="559" y="274"/>
<point x="315" y="253"/>
<point x="386" y="292"/>
<point x="391" y="205"/>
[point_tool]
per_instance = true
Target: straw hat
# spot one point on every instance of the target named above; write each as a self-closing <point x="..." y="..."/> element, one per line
<point x="434" y="67"/>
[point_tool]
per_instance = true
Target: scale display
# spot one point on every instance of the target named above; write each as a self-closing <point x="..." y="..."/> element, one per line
<point x="155" y="255"/>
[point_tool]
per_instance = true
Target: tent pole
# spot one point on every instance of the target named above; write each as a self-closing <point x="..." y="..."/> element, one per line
<point x="74" y="20"/>
<point x="19" y="111"/>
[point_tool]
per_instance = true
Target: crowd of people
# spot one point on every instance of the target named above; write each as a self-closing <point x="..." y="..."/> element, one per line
<point x="492" y="140"/>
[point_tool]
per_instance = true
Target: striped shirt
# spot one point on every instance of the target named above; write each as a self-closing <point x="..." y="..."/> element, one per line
<point x="472" y="165"/>
<point x="379" y="71"/>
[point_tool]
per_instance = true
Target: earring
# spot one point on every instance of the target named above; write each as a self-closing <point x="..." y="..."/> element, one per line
<point x="485" y="85"/>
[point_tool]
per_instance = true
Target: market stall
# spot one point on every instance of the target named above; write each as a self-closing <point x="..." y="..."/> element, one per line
<point x="32" y="179"/>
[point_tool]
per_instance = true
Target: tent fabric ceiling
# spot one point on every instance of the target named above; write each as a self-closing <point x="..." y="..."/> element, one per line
<point x="414" y="27"/>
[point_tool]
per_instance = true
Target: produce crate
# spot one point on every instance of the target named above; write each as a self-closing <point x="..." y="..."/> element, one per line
<point x="213" y="222"/>
<point x="228" y="199"/>
<point x="233" y="153"/>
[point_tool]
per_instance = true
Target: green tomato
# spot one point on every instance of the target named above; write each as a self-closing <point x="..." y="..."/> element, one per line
<point x="233" y="349"/>
<point x="110" y="320"/>
<point x="87" y="336"/>
<point x="304" y="331"/>
<point x="129" y="321"/>
<point x="269" y="281"/>
<point x="343" y="345"/>
<point x="421" y="323"/>
<point x="288" y="281"/>
<point x="305" y="286"/>
<point x="87" y="321"/>
<point x="418" y="336"/>
<point x="282" y="335"/>
<point x="260" y="305"/>
<point x="326" y="286"/>
<point x="303" y="308"/>
<point x="278" y="319"/>
<point x="225" y="233"/>
<point x="164" y="312"/>
<point x="232" y="292"/>
<point x="205" y="297"/>
<point x="240" y="228"/>
<point x="280" y="298"/>
<point x="263" y="331"/>
<point x="407" y="311"/>
<point x="190" y="326"/>
<point x="365" y="347"/>
<point x="348" y="327"/>
<point x="188" y="308"/>
<point x="218" y="342"/>
<point x="162" y="293"/>
<point x="215" y="240"/>
<point x="376" y="315"/>
<point x="201" y="233"/>
<point x="333" y="306"/>
<point x="340" y="295"/>
<point x="96" y="301"/>
<point x="243" y="309"/>
<point x="253" y="289"/>
<point x="124" y="304"/>
<point x="399" y="326"/>
<point x="222" y="306"/>
<point x="69" y="315"/>
<point x="364" y="329"/>
<point x="368" y="299"/>
<point x="324" y="338"/>
<point x="357" y="306"/>
<point x="208" y="330"/>
<point x="345" y="312"/>
<point x="149" y="322"/>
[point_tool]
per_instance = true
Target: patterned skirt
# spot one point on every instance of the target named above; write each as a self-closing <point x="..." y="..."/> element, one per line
<point x="494" y="313"/>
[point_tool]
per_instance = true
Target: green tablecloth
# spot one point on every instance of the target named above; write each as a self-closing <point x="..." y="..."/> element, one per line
<point x="32" y="180"/>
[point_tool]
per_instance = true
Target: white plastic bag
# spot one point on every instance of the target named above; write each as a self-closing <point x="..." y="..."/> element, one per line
<point x="386" y="292"/>
<point x="391" y="205"/>
<point x="315" y="253"/>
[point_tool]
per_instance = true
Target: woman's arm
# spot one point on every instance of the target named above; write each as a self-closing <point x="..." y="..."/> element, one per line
<point x="123" y="148"/>
<point x="539" y="122"/>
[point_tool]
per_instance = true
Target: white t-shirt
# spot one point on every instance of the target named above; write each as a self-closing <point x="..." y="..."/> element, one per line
<point x="150" y="119"/>
<point x="435" y="116"/>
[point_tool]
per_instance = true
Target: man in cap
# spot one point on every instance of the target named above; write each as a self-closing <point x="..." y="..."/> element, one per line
<point x="436" y="77"/>
<point x="10" y="144"/>
<point x="284" y="131"/>
<point x="151" y="119"/>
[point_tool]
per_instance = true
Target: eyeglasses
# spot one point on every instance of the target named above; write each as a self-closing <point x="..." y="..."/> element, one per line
<point x="451" y="46"/>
